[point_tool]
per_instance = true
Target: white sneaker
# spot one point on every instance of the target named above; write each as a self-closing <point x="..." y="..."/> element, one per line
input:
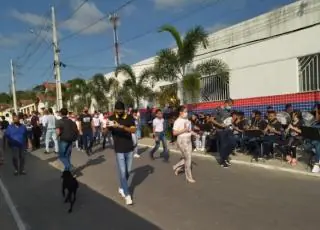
<point x="316" y="168"/>
<point x="120" y="190"/>
<point x="128" y="200"/>
<point x="136" y="155"/>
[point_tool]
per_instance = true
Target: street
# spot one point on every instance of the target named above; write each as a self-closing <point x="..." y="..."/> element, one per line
<point x="228" y="199"/>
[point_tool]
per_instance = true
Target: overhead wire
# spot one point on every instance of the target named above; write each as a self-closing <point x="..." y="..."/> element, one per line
<point x="74" y="12"/>
<point x="97" y="21"/>
<point x="204" y="5"/>
<point x="37" y="35"/>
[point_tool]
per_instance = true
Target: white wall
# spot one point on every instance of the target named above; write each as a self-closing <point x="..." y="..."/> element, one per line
<point x="268" y="67"/>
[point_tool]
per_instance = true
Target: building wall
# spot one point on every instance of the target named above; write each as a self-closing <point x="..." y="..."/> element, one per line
<point x="262" y="52"/>
<point x="266" y="63"/>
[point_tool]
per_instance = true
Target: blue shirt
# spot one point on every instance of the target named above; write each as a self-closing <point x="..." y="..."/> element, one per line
<point x="16" y="135"/>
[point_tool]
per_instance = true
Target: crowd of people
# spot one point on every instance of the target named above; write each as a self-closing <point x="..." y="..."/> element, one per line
<point x="261" y="135"/>
<point x="223" y="131"/>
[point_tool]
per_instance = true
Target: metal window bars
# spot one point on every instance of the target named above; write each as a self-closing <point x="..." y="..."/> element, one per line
<point x="309" y="73"/>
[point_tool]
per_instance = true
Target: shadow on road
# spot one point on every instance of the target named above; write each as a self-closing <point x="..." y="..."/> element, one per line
<point x="39" y="201"/>
<point x="139" y="175"/>
<point x="90" y="162"/>
<point x="142" y="150"/>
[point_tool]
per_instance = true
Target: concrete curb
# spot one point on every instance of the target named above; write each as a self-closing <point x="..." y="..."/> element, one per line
<point x="252" y="164"/>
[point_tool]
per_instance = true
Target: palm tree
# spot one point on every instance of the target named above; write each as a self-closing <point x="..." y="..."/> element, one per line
<point x="175" y="65"/>
<point x="134" y="85"/>
<point x="78" y="94"/>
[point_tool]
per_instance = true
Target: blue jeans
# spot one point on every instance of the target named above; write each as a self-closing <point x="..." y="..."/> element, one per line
<point x="138" y="132"/>
<point x="51" y="134"/>
<point x="160" y="137"/>
<point x="316" y="145"/>
<point x="97" y="134"/>
<point x="87" y="139"/>
<point x="124" y="163"/>
<point x="65" y="149"/>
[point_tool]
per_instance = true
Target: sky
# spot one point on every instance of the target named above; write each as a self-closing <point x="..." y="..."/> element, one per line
<point x="26" y="32"/>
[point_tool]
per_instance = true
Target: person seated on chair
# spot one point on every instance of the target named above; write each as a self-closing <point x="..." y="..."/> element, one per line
<point x="272" y="133"/>
<point x="239" y="126"/>
<point x="315" y="144"/>
<point x="293" y="132"/>
<point x="258" y="123"/>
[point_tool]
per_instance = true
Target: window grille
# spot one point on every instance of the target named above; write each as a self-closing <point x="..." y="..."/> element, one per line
<point x="213" y="88"/>
<point x="309" y="73"/>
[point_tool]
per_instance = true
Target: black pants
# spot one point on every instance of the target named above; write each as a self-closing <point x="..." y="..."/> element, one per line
<point x="36" y="134"/>
<point x="226" y="143"/>
<point x="18" y="158"/>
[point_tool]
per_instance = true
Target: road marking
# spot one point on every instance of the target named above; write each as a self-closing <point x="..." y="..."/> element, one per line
<point x="12" y="208"/>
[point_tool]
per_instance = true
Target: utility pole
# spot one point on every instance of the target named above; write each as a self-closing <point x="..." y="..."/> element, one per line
<point x="114" y="19"/>
<point x="56" y="63"/>
<point x="13" y="87"/>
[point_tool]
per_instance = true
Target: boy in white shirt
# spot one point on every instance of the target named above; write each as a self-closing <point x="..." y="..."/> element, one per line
<point x="159" y="136"/>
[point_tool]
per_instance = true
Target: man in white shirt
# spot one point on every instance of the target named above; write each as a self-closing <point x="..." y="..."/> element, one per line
<point x="159" y="136"/>
<point x="50" y="126"/>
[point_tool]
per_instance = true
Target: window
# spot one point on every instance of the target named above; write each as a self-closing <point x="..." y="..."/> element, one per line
<point x="213" y="88"/>
<point x="309" y="72"/>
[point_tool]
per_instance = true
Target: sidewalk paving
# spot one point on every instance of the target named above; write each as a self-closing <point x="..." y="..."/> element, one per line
<point x="240" y="158"/>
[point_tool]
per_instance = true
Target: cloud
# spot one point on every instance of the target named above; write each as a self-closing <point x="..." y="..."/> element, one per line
<point x="161" y="4"/>
<point x="216" y="27"/>
<point x="12" y="40"/>
<point x="129" y="10"/>
<point x="29" y="18"/>
<point x="85" y="16"/>
<point x="126" y="52"/>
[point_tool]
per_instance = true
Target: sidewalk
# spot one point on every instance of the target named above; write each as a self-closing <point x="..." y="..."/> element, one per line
<point x="242" y="159"/>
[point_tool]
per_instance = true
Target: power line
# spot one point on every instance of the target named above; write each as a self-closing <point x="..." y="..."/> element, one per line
<point x="205" y="5"/>
<point x="37" y="35"/>
<point x="97" y="21"/>
<point x="73" y="13"/>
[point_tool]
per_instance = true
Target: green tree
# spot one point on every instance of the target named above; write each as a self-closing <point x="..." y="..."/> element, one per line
<point x="174" y="65"/>
<point x="78" y="94"/>
<point x="135" y="86"/>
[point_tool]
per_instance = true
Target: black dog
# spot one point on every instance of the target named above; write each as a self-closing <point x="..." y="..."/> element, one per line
<point x="71" y="184"/>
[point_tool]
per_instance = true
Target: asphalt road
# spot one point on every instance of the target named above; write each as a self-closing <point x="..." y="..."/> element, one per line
<point x="238" y="198"/>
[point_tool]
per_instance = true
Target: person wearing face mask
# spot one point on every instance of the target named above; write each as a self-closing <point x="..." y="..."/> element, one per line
<point x="183" y="130"/>
<point x="122" y="126"/>
<point x="86" y="130"/>
<point x="16" y="136"/>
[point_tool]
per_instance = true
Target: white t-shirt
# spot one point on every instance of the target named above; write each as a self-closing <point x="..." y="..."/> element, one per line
<point x="96" y="121"/>
<point x="181" y="124"/>
<point x="158" y="125"/>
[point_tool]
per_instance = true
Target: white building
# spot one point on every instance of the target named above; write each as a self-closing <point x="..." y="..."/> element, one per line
<point x="273" y="54"/>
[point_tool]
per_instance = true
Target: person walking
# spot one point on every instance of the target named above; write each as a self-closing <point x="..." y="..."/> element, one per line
<point x="67" y="133"/>
<point x="16" y="137"/>
<point x="50" y="126"/>
<point x="3" y="125"/>
<point x="182" y="129"/>
<point x="86" y="130"/>
<point x="122" y="126"/>
<point x="36" y="130"/>
<point x="159" y="136"/>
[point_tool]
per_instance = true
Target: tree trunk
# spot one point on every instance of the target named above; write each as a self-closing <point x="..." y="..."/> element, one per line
<point x="137" y="102"/>
<point x="180" y="92"/>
